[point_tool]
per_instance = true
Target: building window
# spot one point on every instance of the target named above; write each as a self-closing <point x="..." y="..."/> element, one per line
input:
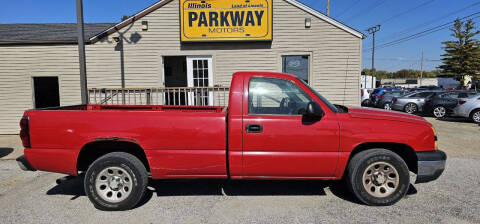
<point x="276" y="96"/>
<point x="298" y="65"/>
<point x="46" y="92"/>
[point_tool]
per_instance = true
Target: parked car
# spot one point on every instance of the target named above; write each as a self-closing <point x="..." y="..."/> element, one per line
<point x="441" y="104"/>
<point x="431" y="87"/>
<point x="411" y="102"/>
<point x="275" y="127"/>
<point x="385" y="99"/>
<point x="365" y="97"/>
<point x="469" y="108"/>
<point x="377" y="92"/>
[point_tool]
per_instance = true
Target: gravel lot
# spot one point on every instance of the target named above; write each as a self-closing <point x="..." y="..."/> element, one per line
<point x="34" y="197"/>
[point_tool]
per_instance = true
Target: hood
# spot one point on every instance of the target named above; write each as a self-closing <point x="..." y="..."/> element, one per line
<point x="380" y="114"/>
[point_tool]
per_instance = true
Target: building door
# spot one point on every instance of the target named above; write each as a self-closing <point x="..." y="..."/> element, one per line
<point x="46" y="92"/>
<point x="200" y="74"/>
<point x="175" y="75"/>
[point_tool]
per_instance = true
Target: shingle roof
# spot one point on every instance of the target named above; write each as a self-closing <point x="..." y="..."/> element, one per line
<point x="47" y="33"/>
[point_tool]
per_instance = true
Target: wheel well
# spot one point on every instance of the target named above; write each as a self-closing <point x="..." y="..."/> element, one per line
<point x="473" y="111"/>
<point x="406" y="152"/>
<point x="94" y="150"/>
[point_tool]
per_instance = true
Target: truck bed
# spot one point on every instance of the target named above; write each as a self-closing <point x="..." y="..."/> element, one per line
<point x="179" y="141"/>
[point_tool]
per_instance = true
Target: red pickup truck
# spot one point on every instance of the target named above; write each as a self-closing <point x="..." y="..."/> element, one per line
<point x="275" y="127"/>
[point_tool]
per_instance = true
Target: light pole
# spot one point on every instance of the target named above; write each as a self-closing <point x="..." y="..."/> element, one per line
<point x="372" y="30"/>
<point x="81" y="53"/>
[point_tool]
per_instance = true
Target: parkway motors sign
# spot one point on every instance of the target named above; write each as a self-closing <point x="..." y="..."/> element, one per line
<point x="225" y="20"/>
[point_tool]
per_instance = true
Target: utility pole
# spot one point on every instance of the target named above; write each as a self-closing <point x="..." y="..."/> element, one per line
<point x="328" y="7"/>
<point x="421" y="70"/>
<point x="372" y="30"/>
<point x="81" y="53"/>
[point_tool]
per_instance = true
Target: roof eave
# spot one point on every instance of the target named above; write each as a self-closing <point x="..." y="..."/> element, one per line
<point x="128" y="21"/>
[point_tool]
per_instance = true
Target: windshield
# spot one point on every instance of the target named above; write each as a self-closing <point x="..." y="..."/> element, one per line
<point x="323" y="99"/>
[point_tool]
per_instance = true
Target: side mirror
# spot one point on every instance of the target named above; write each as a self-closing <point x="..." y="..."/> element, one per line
<point x="314" y="110"/>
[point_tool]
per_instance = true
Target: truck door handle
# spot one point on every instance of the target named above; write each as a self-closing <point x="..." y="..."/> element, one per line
<point x="254" y="128"/>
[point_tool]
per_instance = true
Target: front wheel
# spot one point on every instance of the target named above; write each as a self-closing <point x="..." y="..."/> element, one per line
<point x="378" y="177"/>
<point x="116" y="181"/>
<point x="475" y="116"/>
<point x="439" y="112"/>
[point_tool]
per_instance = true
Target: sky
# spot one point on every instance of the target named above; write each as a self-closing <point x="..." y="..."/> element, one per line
<point x="398" y="19"/>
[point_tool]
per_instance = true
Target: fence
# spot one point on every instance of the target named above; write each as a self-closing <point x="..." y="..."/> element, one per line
<point x="194" y="96"/>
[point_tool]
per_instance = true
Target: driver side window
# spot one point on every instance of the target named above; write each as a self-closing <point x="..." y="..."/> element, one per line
<point x="276" y="96"/>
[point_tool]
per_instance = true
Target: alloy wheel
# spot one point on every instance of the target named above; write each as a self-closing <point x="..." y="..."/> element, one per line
<point x="411" y="108"/>
<point x="476" y="117"/>
<point x="439" y="112"/>
<point x="387" y="106"/>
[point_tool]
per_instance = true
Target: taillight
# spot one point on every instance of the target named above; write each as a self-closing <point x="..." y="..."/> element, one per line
<point x="381" y="97"/>
<point x="25" y="131"/>
<point x="429" y="99"/>
<point x="394" y="99"/>
<point x="460" y="102"/>
<point x="362" y="92"/>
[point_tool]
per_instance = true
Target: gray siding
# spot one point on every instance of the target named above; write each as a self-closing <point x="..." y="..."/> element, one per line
<point x="328" y="46"/>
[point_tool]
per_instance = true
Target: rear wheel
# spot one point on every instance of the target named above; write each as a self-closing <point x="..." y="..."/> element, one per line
<point x="366" y="103"/>
<point x="475" y="116"/>
<point x="116" y="181"/>
<point x="439" y="111"/>
<point x="378" y="177"/>
<point x="411" y="108"/>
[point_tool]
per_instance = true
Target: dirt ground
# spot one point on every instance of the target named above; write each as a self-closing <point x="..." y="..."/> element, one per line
<point x="457" y="136"/>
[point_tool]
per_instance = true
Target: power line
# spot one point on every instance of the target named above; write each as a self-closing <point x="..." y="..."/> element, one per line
<point x="422" y="33"/>
<point x="369" y="8"/>
<point x="348" y="8"/>
<point x="406" y="11"/>
<point x="430" y="21"/>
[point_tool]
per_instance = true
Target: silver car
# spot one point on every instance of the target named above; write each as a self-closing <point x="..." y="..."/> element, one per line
<point x="469" y="108"/>
<point x="411" y="102"/>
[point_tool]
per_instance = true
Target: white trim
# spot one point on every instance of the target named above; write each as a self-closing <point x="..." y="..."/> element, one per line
<point x="326" y="18"/>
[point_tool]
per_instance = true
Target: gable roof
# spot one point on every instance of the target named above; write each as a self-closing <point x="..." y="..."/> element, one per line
<point x="161" y="3"/>
<point x="54" y="33"/>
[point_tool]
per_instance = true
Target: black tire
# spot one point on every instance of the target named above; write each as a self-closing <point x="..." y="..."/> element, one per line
<point x="411" y="105"/>
<point x="360" y="164"/>
<point x="366" y="103"/>
<point x="473" y="115"/>
<point x="122" y="161"/>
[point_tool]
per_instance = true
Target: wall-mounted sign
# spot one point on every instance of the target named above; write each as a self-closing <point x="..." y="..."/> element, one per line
<point x="225" y="20"/>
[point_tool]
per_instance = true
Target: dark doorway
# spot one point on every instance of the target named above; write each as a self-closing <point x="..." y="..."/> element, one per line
<point x="175" y="73"/>
<point x="46" y="92"/>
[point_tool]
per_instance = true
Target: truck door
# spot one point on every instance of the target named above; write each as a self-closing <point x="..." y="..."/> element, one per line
<point x="278" y="142"/>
